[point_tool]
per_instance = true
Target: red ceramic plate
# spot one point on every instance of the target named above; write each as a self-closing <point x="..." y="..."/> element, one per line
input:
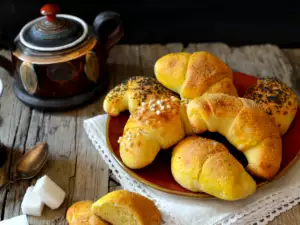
<point x="158" y="174"/>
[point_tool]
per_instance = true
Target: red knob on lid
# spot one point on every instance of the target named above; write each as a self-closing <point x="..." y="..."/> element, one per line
<point x="50" y="10"/>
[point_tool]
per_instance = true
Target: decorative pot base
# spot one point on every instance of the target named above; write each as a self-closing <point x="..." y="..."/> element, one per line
<point x="59" y="104"/>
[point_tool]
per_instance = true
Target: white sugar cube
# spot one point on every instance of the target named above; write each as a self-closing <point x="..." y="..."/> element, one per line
<point x="50" y="193"/>
<point x="32" y="204"/>
<point x="18" y="220"/>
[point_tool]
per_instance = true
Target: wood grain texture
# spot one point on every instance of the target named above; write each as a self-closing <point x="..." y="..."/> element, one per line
<point x="74" y="163"/>
<point x="294" y="57"/>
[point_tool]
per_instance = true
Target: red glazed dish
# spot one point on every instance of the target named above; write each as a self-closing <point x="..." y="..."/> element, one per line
<point x="158" y="174"/>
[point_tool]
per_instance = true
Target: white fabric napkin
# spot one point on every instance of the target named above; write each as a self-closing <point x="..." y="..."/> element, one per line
<point x="268" y="202"/>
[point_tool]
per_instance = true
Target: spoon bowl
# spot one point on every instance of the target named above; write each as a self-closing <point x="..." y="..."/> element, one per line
<point x="32" y="161"/>
<point x="30" y="164"/>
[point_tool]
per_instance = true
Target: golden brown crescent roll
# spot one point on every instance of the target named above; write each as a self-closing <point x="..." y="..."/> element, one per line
<point x="80" y="213"/>
<point x="277" y="99"/>
<point x="200" y="164"/>
<point x="245" y="125"/>
<point x="154" y="126"/>
<point x="123" y="207"/>
<point x="192" y="75"/>
<point x="131" y="93"/>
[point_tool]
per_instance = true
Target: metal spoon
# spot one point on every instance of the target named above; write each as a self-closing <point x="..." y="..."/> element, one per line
<point x="30" y="164"/>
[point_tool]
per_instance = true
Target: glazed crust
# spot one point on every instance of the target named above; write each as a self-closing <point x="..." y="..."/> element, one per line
<point x="154" y="126"/>
<point x="277" y="99"/>
<point x="192" y="75"/>
<point x="80" y="213"/>
<point x="130" y="94"/>
<point x="200" y="164"/>
<point x="245" y="125"/>
<point x="123" y="207"/>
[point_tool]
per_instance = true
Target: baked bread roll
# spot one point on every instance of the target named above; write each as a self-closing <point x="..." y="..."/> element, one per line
<point x="154" y="126"/>
<point x="192" y="75"/>
<point x="245" y="125"/>
<point x="211" y="169"/>
<point x="130" y="94"/>
<point x="80" y="213"/>
<point x="277" y="99"/>
<point x="123" y="207"/>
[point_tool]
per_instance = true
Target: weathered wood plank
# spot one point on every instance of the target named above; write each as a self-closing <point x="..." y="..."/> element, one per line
<point x="59" y="130"/>
<point x="289" y="217"/>
<point x="124" y="62"/>
<point x="13" y="132"/>
<point x="149" y="54"/>
<point x="294" y="57"/>
<point x="92" y="174"/>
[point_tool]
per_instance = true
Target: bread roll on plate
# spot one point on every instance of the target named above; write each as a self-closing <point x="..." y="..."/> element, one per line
<point x="277" y="99"/>
<point x="245" y="125"/>
<point x="200" y="164"/>
<point x="122" y="207"/>
<point x="193" y="75"/>
<point x="130" y="94"/>
<point x="155" y="126"/>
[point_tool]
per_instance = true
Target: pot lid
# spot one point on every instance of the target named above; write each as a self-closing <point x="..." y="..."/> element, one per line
<point x="53" y="31"/>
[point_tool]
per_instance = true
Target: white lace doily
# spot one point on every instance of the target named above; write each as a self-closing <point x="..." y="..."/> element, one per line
<point x="268" y="202"/>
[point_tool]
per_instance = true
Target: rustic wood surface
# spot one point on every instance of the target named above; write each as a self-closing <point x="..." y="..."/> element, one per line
<point x="74" y="164"/>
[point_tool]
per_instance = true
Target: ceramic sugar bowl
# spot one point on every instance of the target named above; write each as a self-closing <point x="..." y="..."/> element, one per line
<point x="58" y="60"/>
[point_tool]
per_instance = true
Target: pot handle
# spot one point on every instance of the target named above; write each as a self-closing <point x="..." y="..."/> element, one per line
<point x="108" y="26"/>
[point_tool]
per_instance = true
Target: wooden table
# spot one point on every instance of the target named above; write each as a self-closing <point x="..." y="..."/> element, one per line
<point x="74" y="163"/>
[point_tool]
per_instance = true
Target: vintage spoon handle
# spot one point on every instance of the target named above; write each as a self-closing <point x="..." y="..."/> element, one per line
<point x="4" y="186"/>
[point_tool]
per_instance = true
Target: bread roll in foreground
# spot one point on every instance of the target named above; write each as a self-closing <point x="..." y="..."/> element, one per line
<point x="277" y="99"/>
<point x="193" y="75"/>
<point x="245" y="125"/>
<point x="122" y="207"/>
<point x="80" y="213"/>
<point x="200" y="164"/>
<point x="130" y="94"/>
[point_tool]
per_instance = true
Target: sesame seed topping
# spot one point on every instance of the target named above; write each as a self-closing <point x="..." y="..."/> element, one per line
<point x="120" y="139"/>
<point x="153" y="105"/>
<point x="152" y="109"/>
<point x="162" y="107"/>
<point x="151" y="101"/>
<point x="158" y="101"/>
<point x="168" y="107"/>
<point x="157" y="112"/>
<point x="143" y="103"/>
